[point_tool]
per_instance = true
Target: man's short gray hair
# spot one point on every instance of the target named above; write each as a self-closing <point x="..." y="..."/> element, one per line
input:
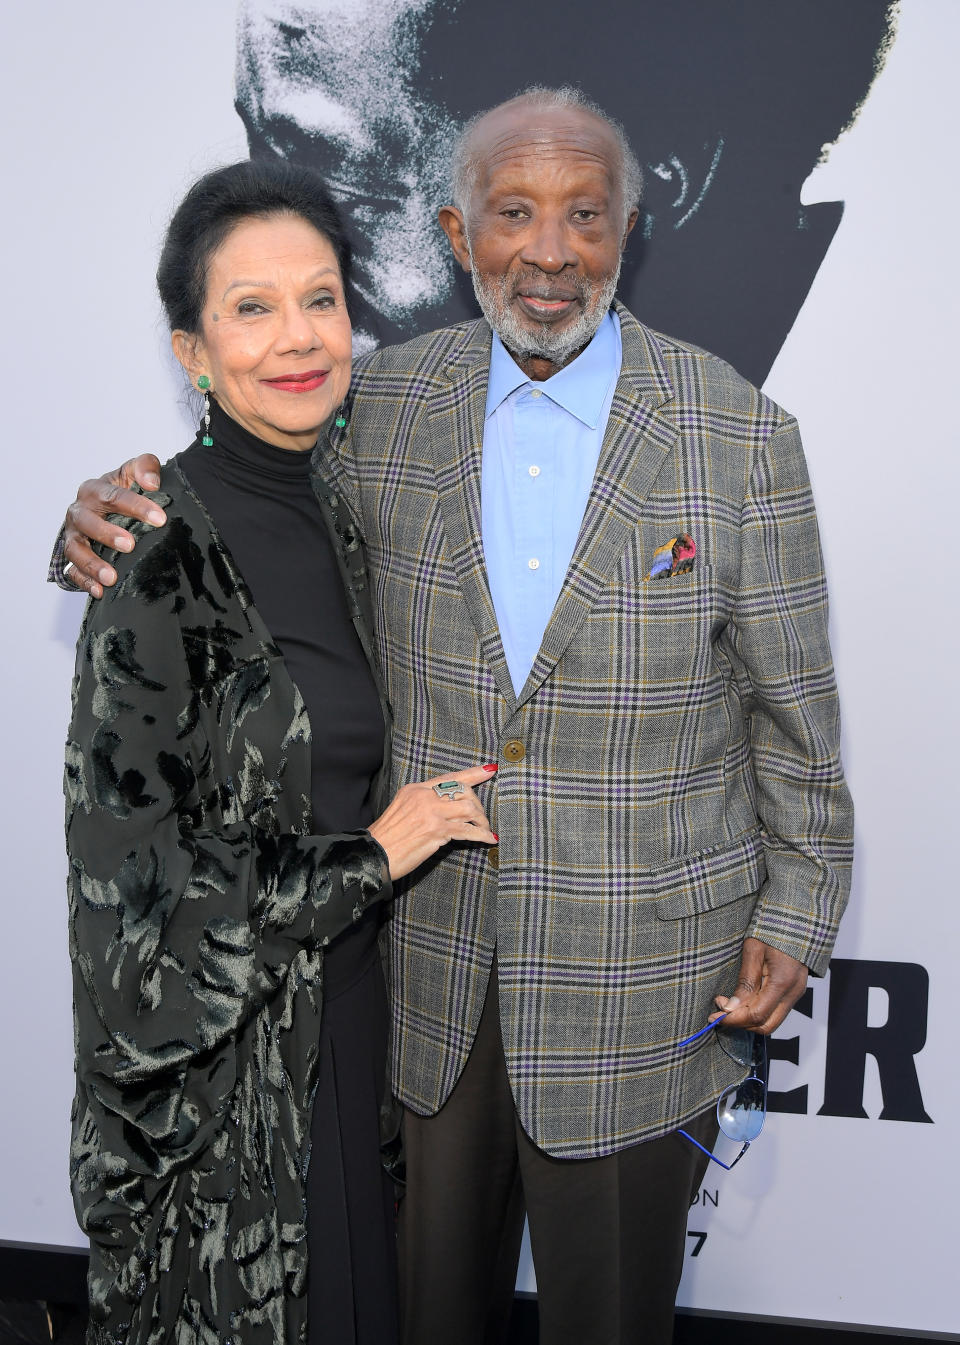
<point x="465" y="163"/>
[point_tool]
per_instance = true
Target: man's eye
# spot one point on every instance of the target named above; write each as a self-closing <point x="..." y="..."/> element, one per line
<point x="585" y="214"/>
<point x="513" y="213"/>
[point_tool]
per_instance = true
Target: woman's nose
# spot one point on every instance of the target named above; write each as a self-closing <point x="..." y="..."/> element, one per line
<point x="297" y="332"/>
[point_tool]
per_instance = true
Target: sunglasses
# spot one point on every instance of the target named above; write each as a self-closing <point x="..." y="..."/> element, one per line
<point x="742" y="1108"/>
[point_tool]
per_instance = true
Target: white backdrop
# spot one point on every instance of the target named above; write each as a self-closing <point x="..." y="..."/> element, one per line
<point x="110" y="111"/>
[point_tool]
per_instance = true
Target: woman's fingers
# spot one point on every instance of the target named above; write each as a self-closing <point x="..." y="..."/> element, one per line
<point x="419" y="821"/>
<point x="464" y="804"/>
<point x="473" y="775"/>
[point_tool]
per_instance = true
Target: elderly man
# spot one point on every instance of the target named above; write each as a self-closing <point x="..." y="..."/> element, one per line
<point x="595" y="559"/>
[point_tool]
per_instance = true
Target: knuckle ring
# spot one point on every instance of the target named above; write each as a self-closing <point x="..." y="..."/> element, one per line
<point x="448" y="789"/>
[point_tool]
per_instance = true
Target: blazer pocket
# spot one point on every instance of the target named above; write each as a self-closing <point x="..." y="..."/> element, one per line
<point x="680" y="597"/>
<point x="713" y="877"/>
<point x="676" y="621"/>
<point x="690" y="579"/>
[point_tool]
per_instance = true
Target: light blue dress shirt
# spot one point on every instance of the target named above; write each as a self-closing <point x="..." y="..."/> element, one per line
<point x="541" y="442"/>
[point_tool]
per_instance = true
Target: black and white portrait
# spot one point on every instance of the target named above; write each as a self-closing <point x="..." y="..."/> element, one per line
<point x="729" y="106"/>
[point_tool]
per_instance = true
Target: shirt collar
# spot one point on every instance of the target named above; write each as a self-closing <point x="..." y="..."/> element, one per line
<point x="580" y="387"/>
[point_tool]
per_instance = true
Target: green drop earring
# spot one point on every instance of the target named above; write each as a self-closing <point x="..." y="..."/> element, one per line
<point x="203" y="383"/>
<point x="340" y="421"/>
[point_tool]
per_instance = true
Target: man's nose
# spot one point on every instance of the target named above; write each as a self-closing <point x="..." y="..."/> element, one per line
<point x="547" y="245"/>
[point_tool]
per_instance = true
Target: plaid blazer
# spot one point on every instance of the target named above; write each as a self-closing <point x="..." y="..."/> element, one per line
<point x="669" y="775"/>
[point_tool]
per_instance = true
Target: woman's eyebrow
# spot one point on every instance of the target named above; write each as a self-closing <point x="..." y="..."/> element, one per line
<point x="267" y="284"/>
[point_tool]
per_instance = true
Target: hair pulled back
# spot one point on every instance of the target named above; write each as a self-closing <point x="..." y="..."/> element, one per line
<point x="216" y="204"/>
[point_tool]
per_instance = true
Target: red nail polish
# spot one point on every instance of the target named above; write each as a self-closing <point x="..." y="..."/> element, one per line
<point x="490" y="766"/>
<point x="496" y="837"/>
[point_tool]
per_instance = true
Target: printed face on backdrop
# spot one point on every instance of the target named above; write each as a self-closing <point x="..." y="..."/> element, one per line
<point x="275" y="336"/>
<point x="728" y="108"/>
<point x="338" y="86"/>
<point x="544" y="229"/>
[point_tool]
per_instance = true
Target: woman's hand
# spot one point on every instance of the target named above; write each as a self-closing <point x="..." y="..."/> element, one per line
<point x="84" y="522"/>
<point x="417" y="822"/>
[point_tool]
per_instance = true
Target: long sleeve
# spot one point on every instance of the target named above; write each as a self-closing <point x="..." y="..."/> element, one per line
<point x="55" y="572"/>
<point x="190" y="901"/>
<point x="778" y="644"/>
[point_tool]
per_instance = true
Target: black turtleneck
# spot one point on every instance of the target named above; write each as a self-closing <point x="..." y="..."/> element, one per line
<point x="261" y="501"/>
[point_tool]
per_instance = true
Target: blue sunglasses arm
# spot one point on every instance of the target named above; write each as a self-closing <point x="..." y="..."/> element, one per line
<point x="727" y="1167"/>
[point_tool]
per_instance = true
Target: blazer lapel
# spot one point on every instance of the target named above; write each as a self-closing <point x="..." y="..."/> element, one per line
<point x="637" y="442"/>
<point x="456" y="428"/>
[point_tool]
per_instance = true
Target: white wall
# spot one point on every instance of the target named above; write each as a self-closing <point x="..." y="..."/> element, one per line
<point x="110" y="110"/>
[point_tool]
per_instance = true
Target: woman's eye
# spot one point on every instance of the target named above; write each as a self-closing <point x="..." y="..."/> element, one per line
<point x="248" y="308"/>
<point x="323" y="301"/>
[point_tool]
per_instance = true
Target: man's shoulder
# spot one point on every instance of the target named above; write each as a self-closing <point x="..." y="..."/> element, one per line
<point x="424" y="357"/>
<point x="693" y="373"/>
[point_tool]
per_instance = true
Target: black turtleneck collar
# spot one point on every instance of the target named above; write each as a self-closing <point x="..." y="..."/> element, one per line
<point x="239" y="451"/>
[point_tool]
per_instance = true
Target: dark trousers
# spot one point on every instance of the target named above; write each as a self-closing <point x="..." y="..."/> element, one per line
<point x="608" y="1234"/>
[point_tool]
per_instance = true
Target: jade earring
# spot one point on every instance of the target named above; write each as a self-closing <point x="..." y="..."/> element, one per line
<point x="203" y="383"/>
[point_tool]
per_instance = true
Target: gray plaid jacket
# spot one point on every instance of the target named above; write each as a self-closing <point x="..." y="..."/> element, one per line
<point x="669" y="775"/>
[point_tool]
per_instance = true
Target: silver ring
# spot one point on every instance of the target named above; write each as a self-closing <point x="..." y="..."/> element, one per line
<point x="448" y="789"/>
<point x="67" y="568"/>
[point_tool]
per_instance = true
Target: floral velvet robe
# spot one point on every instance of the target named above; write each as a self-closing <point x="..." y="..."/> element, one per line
<point x="199" y="907"/>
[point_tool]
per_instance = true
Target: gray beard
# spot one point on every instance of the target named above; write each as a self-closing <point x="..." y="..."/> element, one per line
<point x="545" y="342"/>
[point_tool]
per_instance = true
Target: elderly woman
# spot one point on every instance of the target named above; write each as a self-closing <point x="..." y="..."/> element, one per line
<point x="228" y="869"/>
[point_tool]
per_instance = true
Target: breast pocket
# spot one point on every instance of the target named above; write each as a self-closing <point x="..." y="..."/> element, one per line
<point x="675" y="623"/>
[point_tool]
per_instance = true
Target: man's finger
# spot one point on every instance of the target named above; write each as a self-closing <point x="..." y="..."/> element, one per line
<point x="85" y="525"/>
<point x="109" y="498"/>
<point x="86" y="564"/>
<point x="763" y="1013"/>
<point x="769" y="985"/>
<point x="749" y="977"/>
<point x="83" y="582"/>
<point x="144" y="470"/>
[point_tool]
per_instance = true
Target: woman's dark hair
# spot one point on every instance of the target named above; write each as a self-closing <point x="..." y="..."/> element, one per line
<point x="251" y="189"/>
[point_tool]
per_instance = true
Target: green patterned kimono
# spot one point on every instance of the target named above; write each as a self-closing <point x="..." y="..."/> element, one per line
<point x="199" y="907"/>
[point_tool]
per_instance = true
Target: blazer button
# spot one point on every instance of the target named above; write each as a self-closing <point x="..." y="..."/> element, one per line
<point x="514" y="750"/>
<point x="493" y="856"/>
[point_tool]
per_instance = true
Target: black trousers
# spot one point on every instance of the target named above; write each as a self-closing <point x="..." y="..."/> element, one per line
<point x="608" y="1234"/>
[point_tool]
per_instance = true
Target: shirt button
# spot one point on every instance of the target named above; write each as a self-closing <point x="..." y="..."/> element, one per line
<point x="514" y="750"/>
<point x="533" y="563"/>
<point x="536" y="392"/>
<point x="534" y="471"/>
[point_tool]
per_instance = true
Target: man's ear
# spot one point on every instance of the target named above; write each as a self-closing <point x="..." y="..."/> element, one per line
<point x="454" y="226"/>
<point x="631" y="221"/>
<point x="188" y="348"/>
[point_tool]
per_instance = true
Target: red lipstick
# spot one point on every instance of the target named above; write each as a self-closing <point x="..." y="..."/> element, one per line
<point x="302" y="382"/>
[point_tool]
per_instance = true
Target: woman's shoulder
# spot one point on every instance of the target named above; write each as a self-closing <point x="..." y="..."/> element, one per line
<point x="173" y="559"/>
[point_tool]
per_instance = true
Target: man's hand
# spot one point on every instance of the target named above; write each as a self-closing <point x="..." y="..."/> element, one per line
<point x="769" y="985"/>
<point x="85" y="520"/>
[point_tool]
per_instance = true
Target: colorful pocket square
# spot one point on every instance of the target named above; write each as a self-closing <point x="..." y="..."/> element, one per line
<point x="674" y="557"/>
